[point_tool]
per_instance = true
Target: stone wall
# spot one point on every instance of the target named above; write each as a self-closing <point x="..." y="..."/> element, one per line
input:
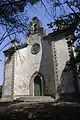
<point x="63" y="78"/>
<point x="8" y="76"/>
<point x="46" y="67"/>
<point x="49" y="63"/>
<point x="26" y="64"/>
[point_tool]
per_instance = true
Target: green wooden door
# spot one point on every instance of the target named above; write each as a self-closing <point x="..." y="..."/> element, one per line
<point x="37" y="86"/>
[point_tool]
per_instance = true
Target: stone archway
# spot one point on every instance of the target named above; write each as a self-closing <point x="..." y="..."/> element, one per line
<point x="36" y="86"/>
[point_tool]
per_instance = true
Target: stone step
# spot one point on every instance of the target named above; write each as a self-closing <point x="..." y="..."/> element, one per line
<point x="36" y="98"/>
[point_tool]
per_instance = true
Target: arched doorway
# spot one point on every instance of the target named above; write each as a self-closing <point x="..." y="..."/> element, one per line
<point x="37" y="86"/>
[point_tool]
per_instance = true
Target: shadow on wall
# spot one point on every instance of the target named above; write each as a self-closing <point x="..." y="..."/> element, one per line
<point x="66" y="88"/>
<point x="9" y="55"/>
<point x="46" y="68"/>
<point x="8" y="60"/>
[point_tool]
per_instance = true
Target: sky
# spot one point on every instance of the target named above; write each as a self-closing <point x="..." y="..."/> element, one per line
<point x="38" y="11"/>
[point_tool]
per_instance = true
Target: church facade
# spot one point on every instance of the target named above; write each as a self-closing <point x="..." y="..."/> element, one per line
<point x="38" y="67"/>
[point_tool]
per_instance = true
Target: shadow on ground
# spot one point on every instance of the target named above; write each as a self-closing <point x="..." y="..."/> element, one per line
<point x="39" y="111"/>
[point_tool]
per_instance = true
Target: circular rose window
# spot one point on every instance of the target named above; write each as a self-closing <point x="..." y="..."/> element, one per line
<point x="35" y="48"/>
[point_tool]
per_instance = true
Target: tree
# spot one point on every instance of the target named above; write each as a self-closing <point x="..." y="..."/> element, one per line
<point x="69" y="16"/>
<point x="69" y="19"/>
<point x="13" y="18"/>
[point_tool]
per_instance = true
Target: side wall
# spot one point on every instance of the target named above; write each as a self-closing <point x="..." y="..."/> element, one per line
<point x="8" y="76"/>
<point x="63" y="76"/>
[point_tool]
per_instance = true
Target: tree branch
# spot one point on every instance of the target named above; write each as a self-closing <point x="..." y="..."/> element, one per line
<point x="11" y="2"/>
<point x="72" y="10"/>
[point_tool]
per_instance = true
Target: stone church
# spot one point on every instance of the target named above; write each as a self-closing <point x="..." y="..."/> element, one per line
<point x="39" y="68"/>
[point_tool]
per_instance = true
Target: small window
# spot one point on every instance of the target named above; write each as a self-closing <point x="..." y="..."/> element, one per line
<point x="35" y="48"/>
<point x="35" y="27"/>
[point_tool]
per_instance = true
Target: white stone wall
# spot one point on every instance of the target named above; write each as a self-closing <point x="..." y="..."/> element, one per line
<point x="26" y="64"/>
<point x="61" y="54"/>
<point x="50" y="62"/>
<point x="7" y="76"/>
<point x="63" y="80"/>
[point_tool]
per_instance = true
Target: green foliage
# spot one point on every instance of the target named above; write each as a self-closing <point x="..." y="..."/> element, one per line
<point x="64" y="22"/>
<point x="13" y="17"/>
<point x="77" y="50"/>
<point x="30" y="23"/>
<point x="32" y="2"/>
<point x="11" y="20"/>
<point x="34" y="18"/>
<point x="6" y="53"/>
<point x="70" y="19"/>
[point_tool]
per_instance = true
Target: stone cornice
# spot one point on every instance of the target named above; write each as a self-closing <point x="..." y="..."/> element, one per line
<point x="65" y="32"/>
<point x="11" y="50"/>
